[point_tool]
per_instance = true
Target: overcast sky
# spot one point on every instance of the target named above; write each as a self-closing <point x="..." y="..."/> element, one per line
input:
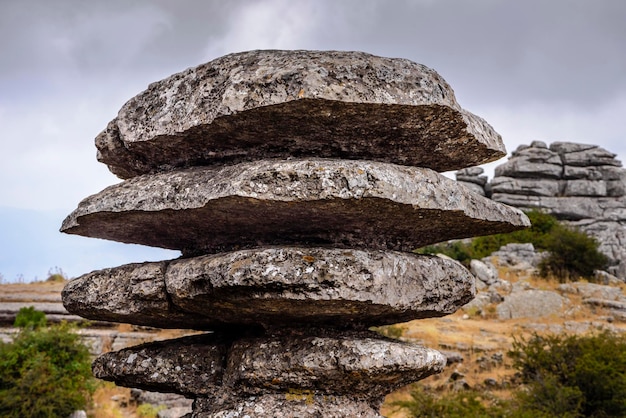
<point x="534" y="69"/>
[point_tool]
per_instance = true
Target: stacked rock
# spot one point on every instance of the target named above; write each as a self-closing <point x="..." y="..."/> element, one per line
<point x="296" y="184"/>
<point x="580" y="183"/>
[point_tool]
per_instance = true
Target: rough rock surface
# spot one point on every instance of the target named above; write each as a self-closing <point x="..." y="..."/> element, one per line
<point x="363" y="365"/>
<point x="335" y="104"/>
<point x="485" y="272"/>
<point x="274" y="286"/>
<point x="351" y="365"/>
<point x="340" y="203"/>
<point x="535" y="161"/>
<point x="188" y="366"/>
<point x="296" y="404"/>
<point x="530" y="304"/>
<point x="516" y="255"/>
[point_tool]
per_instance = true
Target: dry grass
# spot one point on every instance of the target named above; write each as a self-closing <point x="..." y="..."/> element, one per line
<point x="104" y="405"/>
<point x="479" y="337"/>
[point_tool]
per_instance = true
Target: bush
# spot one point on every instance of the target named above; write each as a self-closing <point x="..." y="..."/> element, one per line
<point x="45" y="371"/>
<point x="28" y="317"/>
<point x="564" y="376"/>
<point x="460" y="404"/>
<point x="573" y="375"/>
<point x="542" y="225"/>
<point x="572" y="254"/>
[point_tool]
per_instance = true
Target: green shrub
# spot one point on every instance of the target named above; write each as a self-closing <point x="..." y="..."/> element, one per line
<point x="573" y="376"/>
<point x="572" y="254"/>
<point x="564" y="376"/>
<point x="538" y="234"/>
<point x="44" y="372"/>
<point x="28" y="317"/>
<point x="462" y="404"/>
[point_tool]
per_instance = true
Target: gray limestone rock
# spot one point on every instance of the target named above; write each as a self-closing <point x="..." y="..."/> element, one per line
<point x="341" y="203"/>
<point x="470" y="171"/>
<point x="611" y="235"/>
<point x="531" y="304"/>
<point x="354" y="365"/>
<point x="616" y="188"/>
<point x="478" y="180"/>
<point x="484" y="271"/>
<point x="472" y="175"/>
<point x="606" y="278"/>
<point x="331" y="104"/>
<point x="275" y="286"/>
<point x="607" y="173"/>
<point x="189" y="366"/>
<point x="569" y="208"/>
<point x="514" y="254"/>
<point x="294" y="404"/>
<point x="478" y="305"/>
<point x="570" y="147"/>
<point x="528" y="187"/>
<point x="362" y="364"/>
<point x="590" y="195"/>
<point x="584" y="154"/>
<point x="532" y="162"/>
<point x="613" y="304"/>
<point x="592" y="290"/>
<point x="588" y="188"/>
<point x="473" y="187"/>
<point x="538" y="144"/>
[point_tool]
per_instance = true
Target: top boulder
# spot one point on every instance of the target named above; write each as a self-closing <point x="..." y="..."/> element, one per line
<point x="275" y="104"/>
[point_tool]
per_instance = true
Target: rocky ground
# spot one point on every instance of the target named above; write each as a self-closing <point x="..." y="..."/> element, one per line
<point x="512" y="301"/>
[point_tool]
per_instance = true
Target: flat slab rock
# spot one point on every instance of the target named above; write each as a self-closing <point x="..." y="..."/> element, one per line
<point x="363" y="365"/>
<point x="275" y="104"/>
<point x="339" y="203"/>
<point x="274" y="287"/>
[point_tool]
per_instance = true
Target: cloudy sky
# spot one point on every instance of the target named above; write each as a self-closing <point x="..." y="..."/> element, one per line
<point x="536" y="70"/>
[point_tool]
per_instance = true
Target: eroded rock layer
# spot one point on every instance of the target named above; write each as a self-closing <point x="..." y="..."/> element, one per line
<point x="293" y="404"/>
<point x="274" y="287"/>
<point x="339" y="203"/>
<point x="278" y="104"/>
<point x="362" y="364"/>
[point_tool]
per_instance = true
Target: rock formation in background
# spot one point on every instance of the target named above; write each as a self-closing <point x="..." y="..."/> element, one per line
<point x="296" y="184"/>
<point x="579" y="183"/>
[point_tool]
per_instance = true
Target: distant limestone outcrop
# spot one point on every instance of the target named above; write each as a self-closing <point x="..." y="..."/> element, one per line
<point x="582" y="184"/>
